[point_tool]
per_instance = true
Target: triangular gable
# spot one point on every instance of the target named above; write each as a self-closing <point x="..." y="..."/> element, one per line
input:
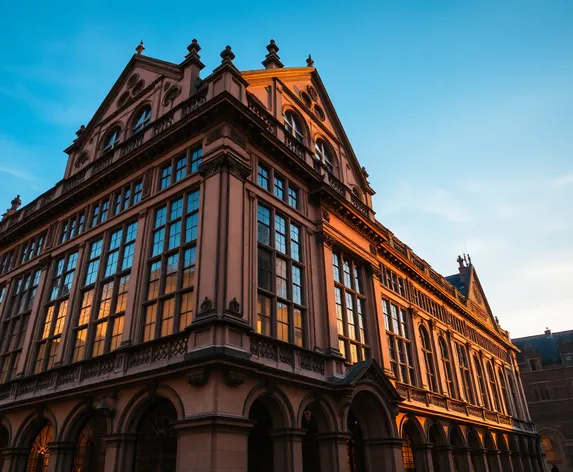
<point x="304" y="87"/>
<point x="148" y="71"/>
<point x="371" y="372"/>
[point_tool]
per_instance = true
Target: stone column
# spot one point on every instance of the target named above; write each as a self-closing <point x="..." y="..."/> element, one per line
<point x="444" y="458"/>
<point x="494" y="460"/>
<point x="213" y="443"/>
<point x="526" y="459"/>
<point x="61" y="456"/>
<point x="383" y="455"/>
<point x="462" y="459"/>
<point x="423" y="457"/>
<point x="119" y="452"/>
<point x="287" y="445"/>
<point x="516" y="461"/>
<point x="333" y="452"/>
<point x="479" y="460"/>
<point x="15" y="459"/>
<point x="506" y="464"/>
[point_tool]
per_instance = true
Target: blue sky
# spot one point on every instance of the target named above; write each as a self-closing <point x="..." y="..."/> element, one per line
<point x="461" y="111"/>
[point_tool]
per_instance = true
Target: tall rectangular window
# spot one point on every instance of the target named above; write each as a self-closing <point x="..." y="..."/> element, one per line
<point x="280" y="308"/>
<point x="7" y="261"/>
<point x="399" y="338"/>
<point x="170" y="293"/>
<point x="464" y="366"/>
<point x="184" y="164"/>
<point x="350" y="308"/>
<point x="99" y="324"/>
<point x="263" y="177"/>
<point x="281" y="187"/>
<point x="15" y="321"/>
<point x="56" y="310"/>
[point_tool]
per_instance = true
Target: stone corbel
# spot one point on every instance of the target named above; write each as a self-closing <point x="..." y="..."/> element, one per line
<point x="198" y="377"/>
<point x="234" y="378"/>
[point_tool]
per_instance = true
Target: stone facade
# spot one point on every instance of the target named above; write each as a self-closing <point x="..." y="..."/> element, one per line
<point x="546" y="365"/>
<point x="208" y="289"/>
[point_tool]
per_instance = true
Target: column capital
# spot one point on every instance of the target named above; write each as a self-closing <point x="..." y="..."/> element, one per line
<point x="289" y="433"/>
<point x="392" y="442"/>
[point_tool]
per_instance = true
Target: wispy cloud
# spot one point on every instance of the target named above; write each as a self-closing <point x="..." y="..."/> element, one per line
<point x="563" y="181"/>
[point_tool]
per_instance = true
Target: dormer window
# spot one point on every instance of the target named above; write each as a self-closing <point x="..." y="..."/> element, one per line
<point x="112" y="139"/>
<point x="323" y="153"/>
<point x="294" y="125"/>
<point x="142" y="119"/>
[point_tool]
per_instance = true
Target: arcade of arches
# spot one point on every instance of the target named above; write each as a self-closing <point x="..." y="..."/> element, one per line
<point x="360" y="430"/>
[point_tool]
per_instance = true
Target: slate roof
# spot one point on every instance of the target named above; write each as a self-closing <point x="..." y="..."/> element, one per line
<point x="547" y="347"/>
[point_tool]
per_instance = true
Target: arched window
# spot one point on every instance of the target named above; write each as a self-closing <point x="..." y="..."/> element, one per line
<point x="112" y="139"/>
<point x="447" y="363"/>
<point x="323" y="153"/>
<point x="89" y="455"/>
<point x="294" y="126"/>
<point x="40" y="452"/>
<point x="549" y="446"/>
<point x="481" y="382"/>
<point x="493" y="387"/>
<point x="156" y="448"/>
<point x="465" y="371"/>
<point x="142" y="118"/>
<point x="504" y="392"/>
<point x="407" y="453"/>
<point x="513" y="390"/>
<point x="429" y="359"/>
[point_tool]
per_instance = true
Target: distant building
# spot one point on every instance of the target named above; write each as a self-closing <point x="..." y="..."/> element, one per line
<point x="207" y="289"/>
<point x="546" y="365"/>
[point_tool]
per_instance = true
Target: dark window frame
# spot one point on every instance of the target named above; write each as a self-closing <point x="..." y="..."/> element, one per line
<point x="173" y="170"/>
<point x="398" y="324"/>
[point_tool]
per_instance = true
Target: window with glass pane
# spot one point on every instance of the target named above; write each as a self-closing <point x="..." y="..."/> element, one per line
<point x="447" y="363"/>
<point x="99" y="324"/>
<point x="142" y="119"/>
<point x="112" y="139"/>
<point x="481" y="382"/>
<point x="280" y="308"/>
<point x="464" y="366"/>
<point x="32" y="248"/>
<point x="263" y="177"/>
<point x="127" y="196"/>
<point x="350" y="308"/>
<point x="293" y="196"/>
<point x="184" y="164"/>
<point x="323" y="154"/>
<point x="7" y="261"/>
<point x="170" y="294"/>
<point x="428" y="359"/>
<point x="73" y="226"/>
<point x="15" y="321"/>
<point x="504" y="392"/>
<point x="55" y="313"/>
<point x="293" y="125"/>
<point x="398" y="336"/>
<point x="493" y="387"/>
<point x="99" y="212"/>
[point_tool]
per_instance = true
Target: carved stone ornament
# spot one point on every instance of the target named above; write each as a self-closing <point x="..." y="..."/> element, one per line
<point x="325" y="215"/>
<point x="224" y="162"/>
<point x="373" y="250"/>
<point x="307" y="415"/>
<point x="206" y="305"/>
<point x="326" y="240"/>
<point x="146" y="190"/>
<point x="198" y="377"/>
<point x="235" y="307"/>
<point x="312" y="92"/>
<point x="377" y="271"/>
<point x="234" y="378"/>
<point x="105" y="403"/>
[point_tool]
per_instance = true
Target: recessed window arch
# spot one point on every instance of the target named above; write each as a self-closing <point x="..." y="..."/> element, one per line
<point x="493" y="386"/>
<point x="82" y="159"/>
<point x="481" y="382"/>
<point x="324" y="154"/>
<point x="428" y="359"/>
<point x="89" y="452"/>
<point x="141" y="119"/>
<point x="447" y="363"/>
<point x="294" y="125"/>
<point x="40" y="452"/>
<point x="112" y="139"/>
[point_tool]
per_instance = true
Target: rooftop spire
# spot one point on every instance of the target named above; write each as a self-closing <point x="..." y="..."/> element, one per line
<point x="272" y="59"/>
<point x="227" y="55"/>
<point x="140" y="48"/>
<point x="309" y="61"/>
<point x="193" y="49"/>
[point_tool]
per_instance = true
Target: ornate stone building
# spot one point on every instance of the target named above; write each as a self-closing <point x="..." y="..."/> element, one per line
<point x="546" y="365"/>
<point x="207" y="289"/>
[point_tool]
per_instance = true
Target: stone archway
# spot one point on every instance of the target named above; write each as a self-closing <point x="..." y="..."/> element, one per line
<point x="416" y="453"/>
<point x="460" y="451"/>
<point x="477" y="452"/>
<point x="492" y="453"/>
<point x="318" y="428"/>
<point x="515" y="454"/>
<point x="505" y="453"/>
<point x="441" y="450"/>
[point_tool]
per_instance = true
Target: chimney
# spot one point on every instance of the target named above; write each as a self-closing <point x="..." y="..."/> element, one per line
<point x="547" y="332"/>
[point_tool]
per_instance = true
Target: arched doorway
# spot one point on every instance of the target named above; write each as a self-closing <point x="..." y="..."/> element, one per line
<point x="156" y="446"/>
<point x="260" y="448"/>
<point x="89" y="453"/>
<point x="356" y="457"/>
<point x="414" y="447"/>
<point x="310" y="444"/>
<point x="40" y="451"/>
<point x="505" y="454"/>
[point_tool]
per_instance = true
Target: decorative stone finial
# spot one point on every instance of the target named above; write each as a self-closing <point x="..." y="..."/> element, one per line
<point x="227" y="55"/>
<point x="309" y="61"/>
<point x="16" y="203"/>
<point x="80" y="131"/>
<point x="272" y="60"/>
<point x="460" y="262"/>
<point x="140" y="48"/>
<point x="193" y="49"/>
